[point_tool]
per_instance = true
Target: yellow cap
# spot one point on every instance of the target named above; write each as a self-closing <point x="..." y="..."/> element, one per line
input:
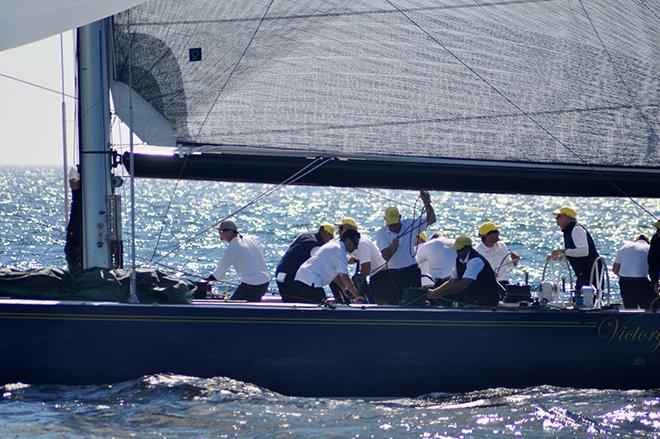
<point x="488" y="227"/>
<point x="423" y="236"/>
<point x="392" y="215"/>
<point x="462" y="242"/>
<point x="327" y="227"/>
<point x="347" y="221"/>
<point x="656" y="224"/>
<point x="566" y="210"/>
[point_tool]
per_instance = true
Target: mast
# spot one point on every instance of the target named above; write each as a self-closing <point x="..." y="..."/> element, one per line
<point x="94" y="125"/>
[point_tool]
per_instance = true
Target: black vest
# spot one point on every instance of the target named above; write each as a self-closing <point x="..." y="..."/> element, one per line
<point x="484" y="290"/>
<point x="299" y="251"/>
<point x="582" y="265"/>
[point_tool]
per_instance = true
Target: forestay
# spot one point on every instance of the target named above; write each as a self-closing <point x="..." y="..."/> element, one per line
<point x="372" y="79"/>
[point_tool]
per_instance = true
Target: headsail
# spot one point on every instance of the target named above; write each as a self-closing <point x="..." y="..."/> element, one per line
<point x="387" y="82"/>
<point x="25" y="21"/>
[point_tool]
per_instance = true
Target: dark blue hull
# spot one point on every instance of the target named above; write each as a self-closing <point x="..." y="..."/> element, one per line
<point x="311" y="351"/>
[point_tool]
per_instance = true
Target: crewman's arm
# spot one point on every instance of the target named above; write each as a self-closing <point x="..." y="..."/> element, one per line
<point x="365" y="268"/>
<point x="450" y="287"/>
<point x="581" y="249"/>
<point x="616" y="268"/>
<point x="430" y="213"/>
<point x="389" y="251"/>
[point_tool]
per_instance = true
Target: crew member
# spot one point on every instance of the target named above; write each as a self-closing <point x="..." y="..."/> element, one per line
<point x="73" y="246"/>
<point x="421" y="239"/>
<point x="328" y="264"/>
<point x="299" y="251"/>
<point x="496" y="252"/>
<point x="654" y="258"/>
<point x="579" y="247"/>
<point x="246" y="255"/>
<point x="472" y="282"/>
<point x="371" y="262"/>
<point x="396" y="242"/>
<point x="631" y="265"/>
<point x="436" y="259"/>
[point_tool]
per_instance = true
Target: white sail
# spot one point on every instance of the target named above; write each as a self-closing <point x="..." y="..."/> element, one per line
<point x="25" y="21"/>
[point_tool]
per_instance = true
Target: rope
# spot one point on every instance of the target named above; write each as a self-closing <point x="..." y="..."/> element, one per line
<point x="199" y="131"/>
<point x="309" y="168"/>
<point x="37" y="86"/>
<point x="517" y="107"/>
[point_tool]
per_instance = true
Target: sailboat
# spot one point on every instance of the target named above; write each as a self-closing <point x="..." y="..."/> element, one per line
<point x="540" y="96"/>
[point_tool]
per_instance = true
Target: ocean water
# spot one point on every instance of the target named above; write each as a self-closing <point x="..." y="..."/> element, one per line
<point x="175" y="232"/>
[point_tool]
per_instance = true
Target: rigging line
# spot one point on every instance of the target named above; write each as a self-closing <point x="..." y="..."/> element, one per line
<point x="642" y="3"/>
<point x="290" y="180"/>
<point x="652" y="135"/>
<point x="32" y="220"/>
<point x="533" y="120"/>
<point x="199" y="131"/>
<point x="37" y="86"/>
<point x="160" y="232"/>
<point x="384" y="197"/>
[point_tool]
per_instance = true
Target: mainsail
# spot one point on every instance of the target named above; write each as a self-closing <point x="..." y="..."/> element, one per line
<point x="537" y="95"/>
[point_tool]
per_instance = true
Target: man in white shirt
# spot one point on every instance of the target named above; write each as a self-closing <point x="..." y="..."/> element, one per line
<point x="397" y="244"/>
<point x="246" y="255"/>
<point x="328" y="264"/>
<point x="472" y="282"/>
<point x="368" y="256"/>
<point x="631" y="265"/>
<point x="579" y="247"/>
<point x="437" y="258"/>
<point x="496" y="252"/>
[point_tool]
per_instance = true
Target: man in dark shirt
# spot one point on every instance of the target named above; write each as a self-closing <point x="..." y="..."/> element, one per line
<point x="473" y="281"/>
<point x="654" y="258"/>
<point x="299" y="251"/>
<point x="73" y="245"/>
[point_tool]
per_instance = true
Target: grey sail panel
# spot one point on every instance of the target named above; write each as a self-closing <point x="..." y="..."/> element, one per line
<point x="359" y="78"/>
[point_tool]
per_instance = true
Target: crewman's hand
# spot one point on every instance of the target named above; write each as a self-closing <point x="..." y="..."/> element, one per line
<point x="352" y="260"/>
<point x="395" y="244"/>
<point x="515" y="257"/>
<point x="556" y="254"/>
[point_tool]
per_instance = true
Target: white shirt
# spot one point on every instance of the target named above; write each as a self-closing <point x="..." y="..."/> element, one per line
<point x="404" y="256"/>
<point x="246" y="255"/>
<point x="324" y="266"/>
<point x="437" y="257"/>
<point x="472" y="270"/>
<point x="498" y="257"/>
<point x="367" y="251"/>
<point x="633" y="258"/>
<point x="579" y="235"/>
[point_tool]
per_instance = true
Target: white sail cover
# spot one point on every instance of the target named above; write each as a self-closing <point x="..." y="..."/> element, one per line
<point x="363" y="77"/>
<point x="25" y="21"/>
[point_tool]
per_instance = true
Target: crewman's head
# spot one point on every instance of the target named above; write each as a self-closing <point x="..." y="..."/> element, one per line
<point x="657" y="227"/>
<point x="643" y="238"/>
<point x="422" y="238"/>
<point x="351" y="239"/>
<point x="326" y="232"/>
<point x="228" y="230"/>
<point x="462" y="245"/>
<point x="437" y="234"/>
<point x="346" y="223"/>
<point x="393" y="219"/>
<point x="564" y="216"/>
<point x="489" y="232"/>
